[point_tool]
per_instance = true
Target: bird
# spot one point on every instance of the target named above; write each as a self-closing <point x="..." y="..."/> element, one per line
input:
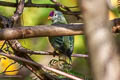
<point x="62" y="44"/>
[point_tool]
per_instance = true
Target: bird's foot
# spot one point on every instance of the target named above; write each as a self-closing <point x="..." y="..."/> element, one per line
<point x="63" y="64"/>
<point x="52" y="62"/>
<point x="55" y="53"/>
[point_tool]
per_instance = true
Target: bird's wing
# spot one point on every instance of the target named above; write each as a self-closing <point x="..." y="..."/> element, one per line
<point x="68" y="42"/>
<point x="62" y="43"/>
<point x="56" y="42"/>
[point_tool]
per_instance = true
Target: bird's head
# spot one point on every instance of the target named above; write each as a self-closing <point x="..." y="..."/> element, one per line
<point x="57" y="17"/>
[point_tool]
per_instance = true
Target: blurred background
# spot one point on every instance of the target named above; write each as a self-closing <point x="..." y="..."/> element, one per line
<point x="38" y="16"/>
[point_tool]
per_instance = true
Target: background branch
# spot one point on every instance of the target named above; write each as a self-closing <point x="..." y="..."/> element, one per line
<point x="55" y="6"/>
<point x="19" y="10"/>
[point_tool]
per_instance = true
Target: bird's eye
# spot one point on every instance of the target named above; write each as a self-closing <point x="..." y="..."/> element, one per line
<point x="55" y="15"/>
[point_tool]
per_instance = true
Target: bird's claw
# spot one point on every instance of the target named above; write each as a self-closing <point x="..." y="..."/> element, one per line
<point x="67" y="66"/>
<point x="52" y="62"/>
<point x="64" y="64"/>
<point x="55" y="53"/>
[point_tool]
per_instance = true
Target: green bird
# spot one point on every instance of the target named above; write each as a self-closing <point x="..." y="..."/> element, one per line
<point x="61" y="44"/>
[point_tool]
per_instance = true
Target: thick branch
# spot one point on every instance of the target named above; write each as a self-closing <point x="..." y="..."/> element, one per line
<point x="47" y="30"/>
<point x="40" y="31"/>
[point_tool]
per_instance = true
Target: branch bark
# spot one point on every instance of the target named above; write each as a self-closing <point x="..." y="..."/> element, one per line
<point x="40" y="31"/>
<point x="19" y="10"/>
<point x="104" y="54"/>
<point x="49" y="30"/>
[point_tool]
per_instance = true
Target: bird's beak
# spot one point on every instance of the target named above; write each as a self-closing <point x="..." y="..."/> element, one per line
<point x="49" y="18"/>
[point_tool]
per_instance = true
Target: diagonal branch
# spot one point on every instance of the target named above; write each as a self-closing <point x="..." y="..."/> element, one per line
<point x="33" y="68"/>
<point x="19" y="10"/>
<point x="16" y="58"/>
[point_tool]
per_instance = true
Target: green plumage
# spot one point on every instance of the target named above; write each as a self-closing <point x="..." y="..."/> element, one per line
<point x="62" y="44"/>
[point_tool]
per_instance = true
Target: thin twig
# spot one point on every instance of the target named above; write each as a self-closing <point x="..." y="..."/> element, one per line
<point x="51" y="53"/>
<point x="12" y="70"/>
<point x="3" y="44"/>
<point x="20" y="48"/>
<point x="60" y="5"/>
<point x="10" y="76"/>
<point x="29" y="2"/>
<point x="8" y="67"/>
<point x="27" y="51"/>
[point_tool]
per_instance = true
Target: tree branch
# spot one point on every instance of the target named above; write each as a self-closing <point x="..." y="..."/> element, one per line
<point x="51" y="53"/>
<point x="10" y="4"/>
<point x="49" y="30"/>
<point x="65" y="8"/>
<point x="19" y="10"/>
<point x="40" y="31"/>
<point x="18" y="59"/>
<point x="33" y="68"/>
<point x="27" y="51"/>
<point x="10" y="76"/>
<point x="22" y="52"/>
<point x="20" y="48"/>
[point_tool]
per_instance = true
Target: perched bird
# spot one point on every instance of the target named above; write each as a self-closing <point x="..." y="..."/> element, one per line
<point x="62" y="44"/>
